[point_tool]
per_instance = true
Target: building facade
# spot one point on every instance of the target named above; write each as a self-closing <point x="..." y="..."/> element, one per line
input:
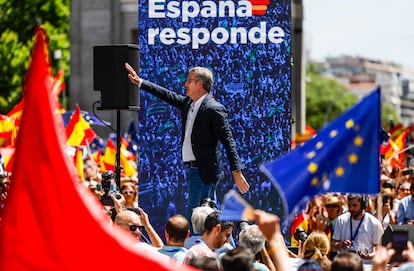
<point x="93" y="23"/>
<point x="361" y="75"/>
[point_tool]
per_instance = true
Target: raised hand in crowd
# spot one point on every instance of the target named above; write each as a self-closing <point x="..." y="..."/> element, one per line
<point x="381" y="258"/>
<point x="409" y="252"/>
<point x="384" y="256"/>
<point x="152" y="234"/>
<point x="270" y="227"/>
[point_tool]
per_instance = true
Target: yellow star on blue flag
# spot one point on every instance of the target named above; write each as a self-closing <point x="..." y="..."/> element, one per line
<point x="342" y="157"/>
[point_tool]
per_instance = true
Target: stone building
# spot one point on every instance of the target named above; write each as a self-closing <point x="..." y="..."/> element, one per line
<point x="92" y="23"/>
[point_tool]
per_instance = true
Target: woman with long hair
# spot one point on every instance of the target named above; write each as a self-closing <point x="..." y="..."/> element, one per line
<point x="316" y="247"/>
<point x="130" y="192"/>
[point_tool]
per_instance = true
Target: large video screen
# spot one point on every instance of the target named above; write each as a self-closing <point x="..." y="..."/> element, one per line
<point x="247" y="46"/>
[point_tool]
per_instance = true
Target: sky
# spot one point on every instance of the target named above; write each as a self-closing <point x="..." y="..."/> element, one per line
<point x="375" y="29"/>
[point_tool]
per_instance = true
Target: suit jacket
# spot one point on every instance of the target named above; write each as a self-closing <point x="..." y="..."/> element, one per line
<point x="210" y="127"/>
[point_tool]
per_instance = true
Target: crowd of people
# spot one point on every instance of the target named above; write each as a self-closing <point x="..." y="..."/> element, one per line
<point x="335" y="230"/>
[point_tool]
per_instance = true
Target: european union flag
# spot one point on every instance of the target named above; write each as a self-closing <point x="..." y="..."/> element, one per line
<point x="89" y="118"/>
<point x="342" y="157"/>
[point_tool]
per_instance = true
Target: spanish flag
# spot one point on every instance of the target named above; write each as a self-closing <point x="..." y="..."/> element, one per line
<point x="78" y="131"/>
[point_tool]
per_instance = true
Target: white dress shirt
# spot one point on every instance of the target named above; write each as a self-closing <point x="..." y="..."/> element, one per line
<point x="187" y="150"/>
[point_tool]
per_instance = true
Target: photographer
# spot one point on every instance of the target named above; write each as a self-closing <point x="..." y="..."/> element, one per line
<point x="119" y="209"/>
<point x="106" y="191"/>
<point x="385" y="209"/>
<point x="135" y="221"/>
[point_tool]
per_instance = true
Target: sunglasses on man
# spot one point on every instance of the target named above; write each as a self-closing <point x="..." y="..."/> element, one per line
<point x="134" y="227"/>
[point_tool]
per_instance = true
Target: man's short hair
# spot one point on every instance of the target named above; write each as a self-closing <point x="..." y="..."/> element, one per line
<point x="204" y="263"/>
<point x="205" y="75"/>
<point x="213" y="220"/>
<point x="240" y="259"/>
<point x="252" y="238"/>
<point x="177" y="228"/>
<point x="125" y="216"/>
<point x="198" y="218"/>
<point x="347" y="262"/>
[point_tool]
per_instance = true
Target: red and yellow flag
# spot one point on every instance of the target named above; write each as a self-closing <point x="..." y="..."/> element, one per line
<point x="78" y="131"/>
<point x="109" y="160"/>
<point x="79" y="163"/>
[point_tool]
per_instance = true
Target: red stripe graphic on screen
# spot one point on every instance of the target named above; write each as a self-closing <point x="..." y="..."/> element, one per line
<point x="259" y="7"/>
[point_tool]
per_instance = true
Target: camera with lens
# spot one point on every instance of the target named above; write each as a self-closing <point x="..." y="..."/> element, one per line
<point x="209" y="203"/>
<point x="386" y="199"/>
<point x="300" y="235"/>
<point x="106" y="200"/>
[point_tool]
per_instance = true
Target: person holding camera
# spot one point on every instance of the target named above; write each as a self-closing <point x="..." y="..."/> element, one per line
<point x="135" y="221"/>
<point x="385" y="209"/>
<point x="357" y="231"/>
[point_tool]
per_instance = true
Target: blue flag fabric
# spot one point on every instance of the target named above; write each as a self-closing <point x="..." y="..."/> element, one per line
<point x="132" y="137"/>
<point x="89" y="118"/>
<point x="342" y="157"/>
<point x="235" y="208"/>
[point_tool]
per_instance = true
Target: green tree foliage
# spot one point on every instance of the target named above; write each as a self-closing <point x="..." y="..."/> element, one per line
<point x="18" y="21"/>
<point x="325" y="99"/>
<point x="389" y="116"/>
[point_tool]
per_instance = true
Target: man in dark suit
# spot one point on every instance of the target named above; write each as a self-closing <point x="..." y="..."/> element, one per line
<point x="205" y="124"/>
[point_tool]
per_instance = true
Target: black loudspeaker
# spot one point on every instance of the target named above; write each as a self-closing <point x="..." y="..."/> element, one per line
<point x="386" y="237"/>
<point x="111" y="78"/>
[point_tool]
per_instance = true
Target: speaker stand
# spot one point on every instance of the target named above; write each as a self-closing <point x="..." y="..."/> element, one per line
<point x="118" y="167"/>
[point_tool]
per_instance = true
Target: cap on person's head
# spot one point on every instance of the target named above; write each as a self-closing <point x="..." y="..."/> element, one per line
<point x="310" y="265"/>
<point x="333" y="200"/>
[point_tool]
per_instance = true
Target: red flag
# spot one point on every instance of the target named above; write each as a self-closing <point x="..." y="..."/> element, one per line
<point x="51" y="221"/>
